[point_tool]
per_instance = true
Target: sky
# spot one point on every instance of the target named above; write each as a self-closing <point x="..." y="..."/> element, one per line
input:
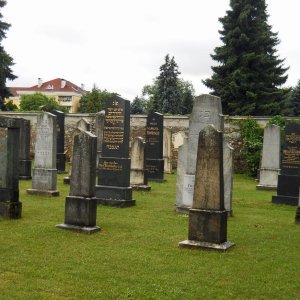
<point x="119" y="45"/>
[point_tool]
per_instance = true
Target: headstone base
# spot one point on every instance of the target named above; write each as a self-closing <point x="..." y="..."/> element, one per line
<point x="145" y="188"/>
<point x="66" y="180"/>
<point x="113" y="192"/>
<point x="205" y="245"/>
<point x="10" y="210"/>
<point x="54" y="193"/>
<point x="157" y="180"/>
<point x="82" y="229"/>
<point x="25" y="169"/>
<point x="285" y="200"/>
<point x="266" y="187"/>
<point x="182" y="209"/>
<point x="297" y="218"/>
<point x="117" y="203"/>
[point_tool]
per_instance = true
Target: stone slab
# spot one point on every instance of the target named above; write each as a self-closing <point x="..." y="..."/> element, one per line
<point x="288" y="200"/>
<point x="116" y="203"/>
<point x="205" y="246"/>
<point x="113" y="192"/>
<point x="10" y="210"/>
<point x="43" y="192"/>
<point x="155" y="169"/>
<point x="144" y="188"/>
<point x="81" y="229"/>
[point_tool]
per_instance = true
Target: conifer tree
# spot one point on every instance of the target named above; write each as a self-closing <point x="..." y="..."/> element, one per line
<point x="250" y="73"/>
<point x="295" y="101"/>
<point x="6" y="61"/>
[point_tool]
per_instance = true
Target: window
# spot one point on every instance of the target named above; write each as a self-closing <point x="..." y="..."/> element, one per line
<point x="65" y="98"/>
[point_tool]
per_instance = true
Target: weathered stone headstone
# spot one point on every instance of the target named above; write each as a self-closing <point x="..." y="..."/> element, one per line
<point x="10" y="206"/>
<point x="208" y="217"/>
<point x="99" y="125"/>
<point x="113" y="186"/>
<point x="297" y="217"/>
<point x="167" y="150"/>
<point x="207" y="110"/>
<point x="60" y="144"/>
<point x="44" y="173"/>
<point x="81" y="204"/>
<point x="154" y="147"/>
<point x="138" y="174"/>
<point x="228" y="176"/>
<point x="84" y="124"/>
<point x="289" y="177"/>
<point x="270" y="162"/>
<point x="24" y="153"/>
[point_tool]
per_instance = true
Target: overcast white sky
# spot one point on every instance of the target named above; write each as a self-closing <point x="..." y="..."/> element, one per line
<point x="119" y="45"/>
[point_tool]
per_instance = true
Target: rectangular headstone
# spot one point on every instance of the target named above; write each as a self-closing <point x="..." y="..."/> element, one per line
<point x="167" y="150"/>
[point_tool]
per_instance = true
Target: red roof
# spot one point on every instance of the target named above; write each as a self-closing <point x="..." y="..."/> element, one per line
<point x="55" y="85"/>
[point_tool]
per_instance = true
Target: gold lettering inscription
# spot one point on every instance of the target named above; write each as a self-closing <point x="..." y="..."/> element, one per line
<point x="110" y="166"/>
<point x="292" y="138"/>
<point x="291" y="156"/>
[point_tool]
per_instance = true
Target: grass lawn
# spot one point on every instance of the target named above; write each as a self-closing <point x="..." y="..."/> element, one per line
<point x="136" y="254"/>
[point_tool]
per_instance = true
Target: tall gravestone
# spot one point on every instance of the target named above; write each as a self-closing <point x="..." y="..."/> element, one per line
<point x="113" y="186"/>
<point x="228" y="176"/>
<point x="10" y="206"/>
<point x="270" y="162"/>
<point x="208" y="217"/>
<point x="24" y="152"/>
<point x="167" y="150"/>
<point x="81" y="204"/>
<point x="60" y="151"/>
<point x="44" y="173"/>
<point x="138" y="174"/>
<point x="207" y="110"/>
<point x="99" y="125"/>
<point x="289" y="177"/>
<point x="154" y="161"/>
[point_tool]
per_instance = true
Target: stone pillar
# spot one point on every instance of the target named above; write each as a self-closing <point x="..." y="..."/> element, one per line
<point x="44" y="179"/>
<point x="24" y="153"/>
<point x="228" y="176"/>
<point x="99" y="126"/>
<point x="208" y="217"/>
<point x="138" y="174"/>
<point x="10" y="206"/>
<point x="167" y="150"/>
<point x="113" y="186"/>
<point x="81" y="204"/>
<point x="270" y="162"/>
<point x="154" y="147"/>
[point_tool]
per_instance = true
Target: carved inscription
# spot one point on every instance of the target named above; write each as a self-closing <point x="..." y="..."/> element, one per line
<point x="203" y="116"/>
<point x="110" y="166"/>
<point x="44" y="139"/>
<point x="291" y="157"/>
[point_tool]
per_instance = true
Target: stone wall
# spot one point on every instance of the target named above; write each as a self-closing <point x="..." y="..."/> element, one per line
<point x="177" y="124"/>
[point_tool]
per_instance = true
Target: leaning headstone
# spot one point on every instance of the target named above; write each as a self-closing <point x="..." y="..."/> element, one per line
<point x="10" y="206"/>
<point x="24" y="152"/>
<point x="113" y="186"/>
<point x="44" y="173"/>
<point x="228" y="177"/>
<point x="154" y="147"/>
<point x="167" y="150"/>
<point x="289" y="177"/>
<point x="60" y="155"/>
<point x="270" y="162"/>
<point x="208" y="217"/>
<point x="138" y="174"/>
<point x="207" y="110"/>
<point x="99" y="125"/>
<point x="297" y="217"/>
<point x="81" y="204"/>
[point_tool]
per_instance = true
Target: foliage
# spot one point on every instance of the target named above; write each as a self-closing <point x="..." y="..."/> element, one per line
<point x="295" y="100"/>
<point x="6" y="62"/>
<point x="252" y="136"/>
<point x="94" y="101"/>
<point x="39" y="261"/>
<point x="279" y="121"/>
<point x="138" y="106"/>
<point x="34" y="102"/>
<point x="249" y="74"/>
<point x="187" y="93"/>
<point x="10" y="106"/>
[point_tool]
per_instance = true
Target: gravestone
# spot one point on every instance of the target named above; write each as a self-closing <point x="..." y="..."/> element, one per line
<point x="99" y="125"/>
<point x="84" y="124"/>
<point x="113" y="186"/>
<point x="297" y="217"/>
<point x="24" y="153"/>
<point x="138" y="174"/>
<point x="289" y="177"/>
<point x="44" y="173"/>
<point x="167" y="150"/>
<point x="81" y="204"/>
<point x="60" y="144"/>
<point x="270" y="162"/>
<point x="10" y="206"/>
<point x="207" y="110"/>
<point x="228" y="176"/>
<point x="154" y="161"/>
<point x="208" y="217"/>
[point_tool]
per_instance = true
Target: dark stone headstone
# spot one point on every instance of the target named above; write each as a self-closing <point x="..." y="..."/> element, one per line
<point x="113" y="186"/>
<point x="10" y="206"/>
<point x="81" y="204"/>
<point x="208" y="217"/>
<point x="60" y="155"/>
<point x="289" y="177"/>
<point x="24" y="153"/>
<point x="154" y="147"/>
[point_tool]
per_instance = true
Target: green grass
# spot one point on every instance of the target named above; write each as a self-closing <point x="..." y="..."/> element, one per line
<point x="136" y="254"/>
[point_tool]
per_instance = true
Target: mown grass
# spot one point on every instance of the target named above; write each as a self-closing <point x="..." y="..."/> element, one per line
<point x="136" y="254"/>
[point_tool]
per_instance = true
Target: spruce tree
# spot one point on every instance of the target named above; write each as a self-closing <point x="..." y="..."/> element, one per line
<point x="250" y="73"/>
<point x="295" y="101"/>
<point x="6" y="62"/>
<point x="138" y="106"/>
<point x="168" y="88"/>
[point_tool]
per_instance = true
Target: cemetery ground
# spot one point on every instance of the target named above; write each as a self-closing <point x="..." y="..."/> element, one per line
<point x="136" y="254"/>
